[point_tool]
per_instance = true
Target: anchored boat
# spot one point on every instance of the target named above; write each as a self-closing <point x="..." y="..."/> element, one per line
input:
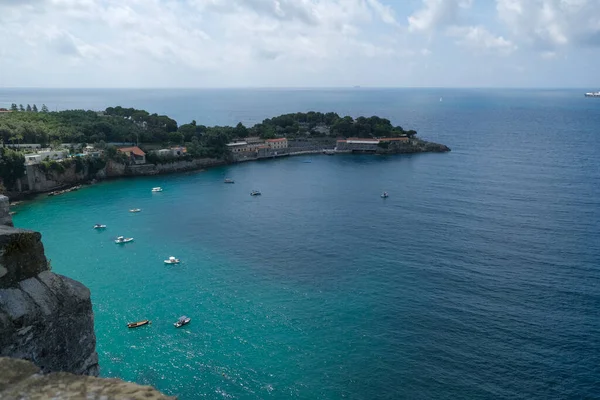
<point x="255" y="193"/>
<point x="183" y="320"/>
<point x="138" y="324"/>
<point x="123" y="239"/>
<point x="99" y="226"/>
<point x="227" y="180"/>
<point x="172" y="260"/>
<point x="157" y="189"/>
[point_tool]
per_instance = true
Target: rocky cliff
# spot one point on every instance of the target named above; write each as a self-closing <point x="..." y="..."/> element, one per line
<point x="44" y="317"/>
<point x="414" y="146"/>
<point x="22" y="380"/>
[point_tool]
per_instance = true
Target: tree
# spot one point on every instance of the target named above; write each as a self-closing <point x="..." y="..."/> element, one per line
<point x="35" y="109"/>
<point x="13" y="107"/>
<point x="44" y="108"/>
<point x="240" y="130"/>
<point x="194" y="149"/>
<point x="28" y="108"/>
<point x="12" y="166"/>
<point x="175" y="137"/>
<point x="111" y="152"/>
<point x="344" y="127"/>
<point x="21" y="107"/>
<point x="188" y="131"/>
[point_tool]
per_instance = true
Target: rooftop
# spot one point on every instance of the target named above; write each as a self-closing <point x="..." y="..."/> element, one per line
<point x="134" y="149"/>
<point x="276" y="140"/>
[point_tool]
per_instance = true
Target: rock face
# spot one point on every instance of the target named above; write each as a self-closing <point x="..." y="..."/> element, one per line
<point x="414" y="146"/>
<point x="44" y="317"/>
<point x="21" y="379"/>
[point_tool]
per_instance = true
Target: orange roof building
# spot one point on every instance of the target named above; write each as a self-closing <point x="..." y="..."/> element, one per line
<point x="135" y="154"/>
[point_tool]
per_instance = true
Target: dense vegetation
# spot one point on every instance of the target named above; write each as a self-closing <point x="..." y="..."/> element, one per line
<point x="128" y="125"/>
<point x="12" y="166"/>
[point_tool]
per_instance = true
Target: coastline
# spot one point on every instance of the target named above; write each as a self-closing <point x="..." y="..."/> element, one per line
<point x="117" y="171"/>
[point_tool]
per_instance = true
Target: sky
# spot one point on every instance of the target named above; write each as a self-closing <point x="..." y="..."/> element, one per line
<point x="299" y="43"/>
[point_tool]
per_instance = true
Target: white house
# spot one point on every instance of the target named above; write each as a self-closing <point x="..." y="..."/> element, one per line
<point x="32" y="159"/>
<point x="45" y="155"/>
<point x="52" y="154"/>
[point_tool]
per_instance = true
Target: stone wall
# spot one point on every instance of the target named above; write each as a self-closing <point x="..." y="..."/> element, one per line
<point x="20" y="379"/>
<point x="44" y="317"/>
<point x="176" y="166"/>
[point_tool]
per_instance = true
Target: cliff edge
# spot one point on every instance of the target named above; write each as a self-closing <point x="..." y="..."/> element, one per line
<point x="22" y="380"/>
<point x="44" y="317"/>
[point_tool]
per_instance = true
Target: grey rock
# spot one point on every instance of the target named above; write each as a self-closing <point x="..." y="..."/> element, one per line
<point x="21" y="255"/>
<point x="44" y="317"/>
<point x="40" y="294"/>
<point x="5" y="218"/>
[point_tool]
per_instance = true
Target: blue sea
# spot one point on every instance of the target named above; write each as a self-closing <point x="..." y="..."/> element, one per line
<point x="478" y="278"/>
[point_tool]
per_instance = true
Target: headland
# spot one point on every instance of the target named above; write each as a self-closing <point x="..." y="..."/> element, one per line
<point x="53" y="152"/>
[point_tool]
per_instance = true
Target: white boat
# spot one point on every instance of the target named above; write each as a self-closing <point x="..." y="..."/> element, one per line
<point x="157" y="189"/>
<point x="99" y="226"/>
<point x="385" y="195"/>
<point x="123" y="239"/>
<point x="228" y="180"/>
<point x="255" y="193"/>
<point x="183" y="320"/>
<point x="172" y="260"/>
<point x="592" y="94"/>
<point x="135" y="210"/>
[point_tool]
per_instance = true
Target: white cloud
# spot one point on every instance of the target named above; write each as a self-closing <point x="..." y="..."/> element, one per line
<point x="479" y="38"/>
<point x="385" y="12"/>
<point x="222" y="38"/>
<point x="208" y="43"/>
<point x="437" y="14"/>
<point x="550" y="24"/>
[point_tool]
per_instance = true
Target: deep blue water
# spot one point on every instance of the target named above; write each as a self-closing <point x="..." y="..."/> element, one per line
<point x="478" y="278"/>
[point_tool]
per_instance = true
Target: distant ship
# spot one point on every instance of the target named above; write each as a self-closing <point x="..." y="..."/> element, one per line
<point x="592" y="94"/>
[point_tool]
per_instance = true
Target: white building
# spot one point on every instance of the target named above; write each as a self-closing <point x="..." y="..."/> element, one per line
<point x="237" y="147"/>
<point x="32" y="159"/>
<point x="45" y="155"/>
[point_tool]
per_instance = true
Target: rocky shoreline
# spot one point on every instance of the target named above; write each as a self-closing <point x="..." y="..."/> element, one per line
<point x="54" y="184"/>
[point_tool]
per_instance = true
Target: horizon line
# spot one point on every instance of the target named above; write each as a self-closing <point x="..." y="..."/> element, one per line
<point x="297" y="87"/>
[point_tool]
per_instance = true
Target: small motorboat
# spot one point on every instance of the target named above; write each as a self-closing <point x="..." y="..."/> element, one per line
<point x="99" y="226"/>
<point x="227" y="180"/>
<point x="135" y="210"/>
<point x="123" y="239"/>
<point x="255" y="193"/>
<point x="385" y="195"/>
<point x="183" y="320"/>
<point x="172" y="260"/>
<point x="138" y="324"/>
<point x="157" y="189"/>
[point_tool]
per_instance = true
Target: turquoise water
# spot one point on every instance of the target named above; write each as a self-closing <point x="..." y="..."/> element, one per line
<point x="477" y="278"/>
